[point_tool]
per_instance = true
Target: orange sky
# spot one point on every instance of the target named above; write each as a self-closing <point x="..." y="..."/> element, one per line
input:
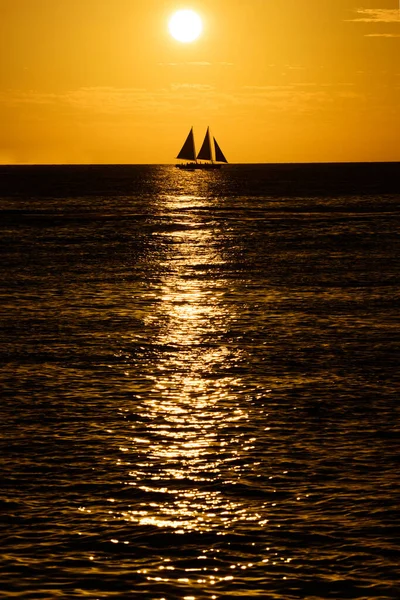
<point x="101" y="81"/>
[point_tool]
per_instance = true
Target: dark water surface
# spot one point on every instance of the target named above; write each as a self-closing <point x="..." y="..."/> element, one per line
<point x="199" y="382"/>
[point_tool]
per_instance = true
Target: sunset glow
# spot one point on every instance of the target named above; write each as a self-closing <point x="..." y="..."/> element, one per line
<point x="282" y="81"/>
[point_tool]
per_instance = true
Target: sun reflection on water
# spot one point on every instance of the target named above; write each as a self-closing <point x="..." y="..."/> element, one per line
<point x="192" y="441"/>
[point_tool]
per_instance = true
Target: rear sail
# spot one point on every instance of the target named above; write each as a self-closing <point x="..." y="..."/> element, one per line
<point x="219" y="156"/>
<point x="188" y="151"/>
<point x="205" y="150"/>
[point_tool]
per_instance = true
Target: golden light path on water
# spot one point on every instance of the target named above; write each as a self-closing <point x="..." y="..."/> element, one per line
<point x="197" y="441"/>
<point x="188" y="396"/>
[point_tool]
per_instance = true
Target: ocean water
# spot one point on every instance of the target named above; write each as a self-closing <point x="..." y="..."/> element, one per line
<point x="199" y="382"/>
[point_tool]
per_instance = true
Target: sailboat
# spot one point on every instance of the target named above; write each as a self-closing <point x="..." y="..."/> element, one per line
<point x="188" y="153"/>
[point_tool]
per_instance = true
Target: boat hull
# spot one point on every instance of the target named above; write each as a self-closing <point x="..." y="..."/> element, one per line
<point x="198" y="166"/>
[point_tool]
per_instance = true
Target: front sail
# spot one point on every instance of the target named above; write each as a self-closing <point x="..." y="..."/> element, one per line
<point x="219" y="156"/>
<point x="188" y="151"/>
<point x="205" y="150"/>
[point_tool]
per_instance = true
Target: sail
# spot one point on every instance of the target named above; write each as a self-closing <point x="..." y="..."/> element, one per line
<point x="205" y="150"/>
<point x="188" y="151"/>
<point x="219" y="156"/>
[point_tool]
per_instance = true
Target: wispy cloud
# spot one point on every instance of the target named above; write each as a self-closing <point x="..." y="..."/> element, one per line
<point x="129" y="102"/>
<point x="298" y="98"/>
<point x="191" y="86"/>
<point x="98" y="99"/>
<point x="377" y="15"/>
<point x="385" y="35"/>
<point x="115" y="101"/>
<point x="197" y="63"/>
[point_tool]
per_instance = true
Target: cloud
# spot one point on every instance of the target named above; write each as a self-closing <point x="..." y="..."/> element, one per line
<point x="302" y="98"/>
<point x="377" y="15"/>
<point x="100" y="100"/>
<point x="386" y="35"/>
<point x="126" y="103"/>
<point x="114" y="101"/>
<point x="193" y="86"/>
<point x="197" y="63"/>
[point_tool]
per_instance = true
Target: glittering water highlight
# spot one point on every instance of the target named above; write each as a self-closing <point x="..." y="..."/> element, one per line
<point x="199" y="382"/>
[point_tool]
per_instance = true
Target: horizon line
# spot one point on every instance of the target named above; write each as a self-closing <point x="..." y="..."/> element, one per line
<point x="230" y="164"/>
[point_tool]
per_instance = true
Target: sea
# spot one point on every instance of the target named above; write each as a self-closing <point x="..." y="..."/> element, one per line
<point x="199" y="382"/>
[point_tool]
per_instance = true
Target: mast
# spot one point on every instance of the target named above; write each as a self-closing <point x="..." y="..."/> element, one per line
<point x="205" y="150"/>
<point x="188" y="151"/>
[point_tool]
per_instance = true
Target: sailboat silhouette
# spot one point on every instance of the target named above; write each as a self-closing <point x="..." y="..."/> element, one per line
<point x="188" y="153"/>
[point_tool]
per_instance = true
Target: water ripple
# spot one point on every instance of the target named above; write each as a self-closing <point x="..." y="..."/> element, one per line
<point x="199" y="389"/>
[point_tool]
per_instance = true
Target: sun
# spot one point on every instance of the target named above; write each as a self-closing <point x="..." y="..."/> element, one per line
<point x="185" y="26"/>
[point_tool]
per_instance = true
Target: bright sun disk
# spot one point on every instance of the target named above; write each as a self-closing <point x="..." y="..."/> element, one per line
<point x="185" y="26"/>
